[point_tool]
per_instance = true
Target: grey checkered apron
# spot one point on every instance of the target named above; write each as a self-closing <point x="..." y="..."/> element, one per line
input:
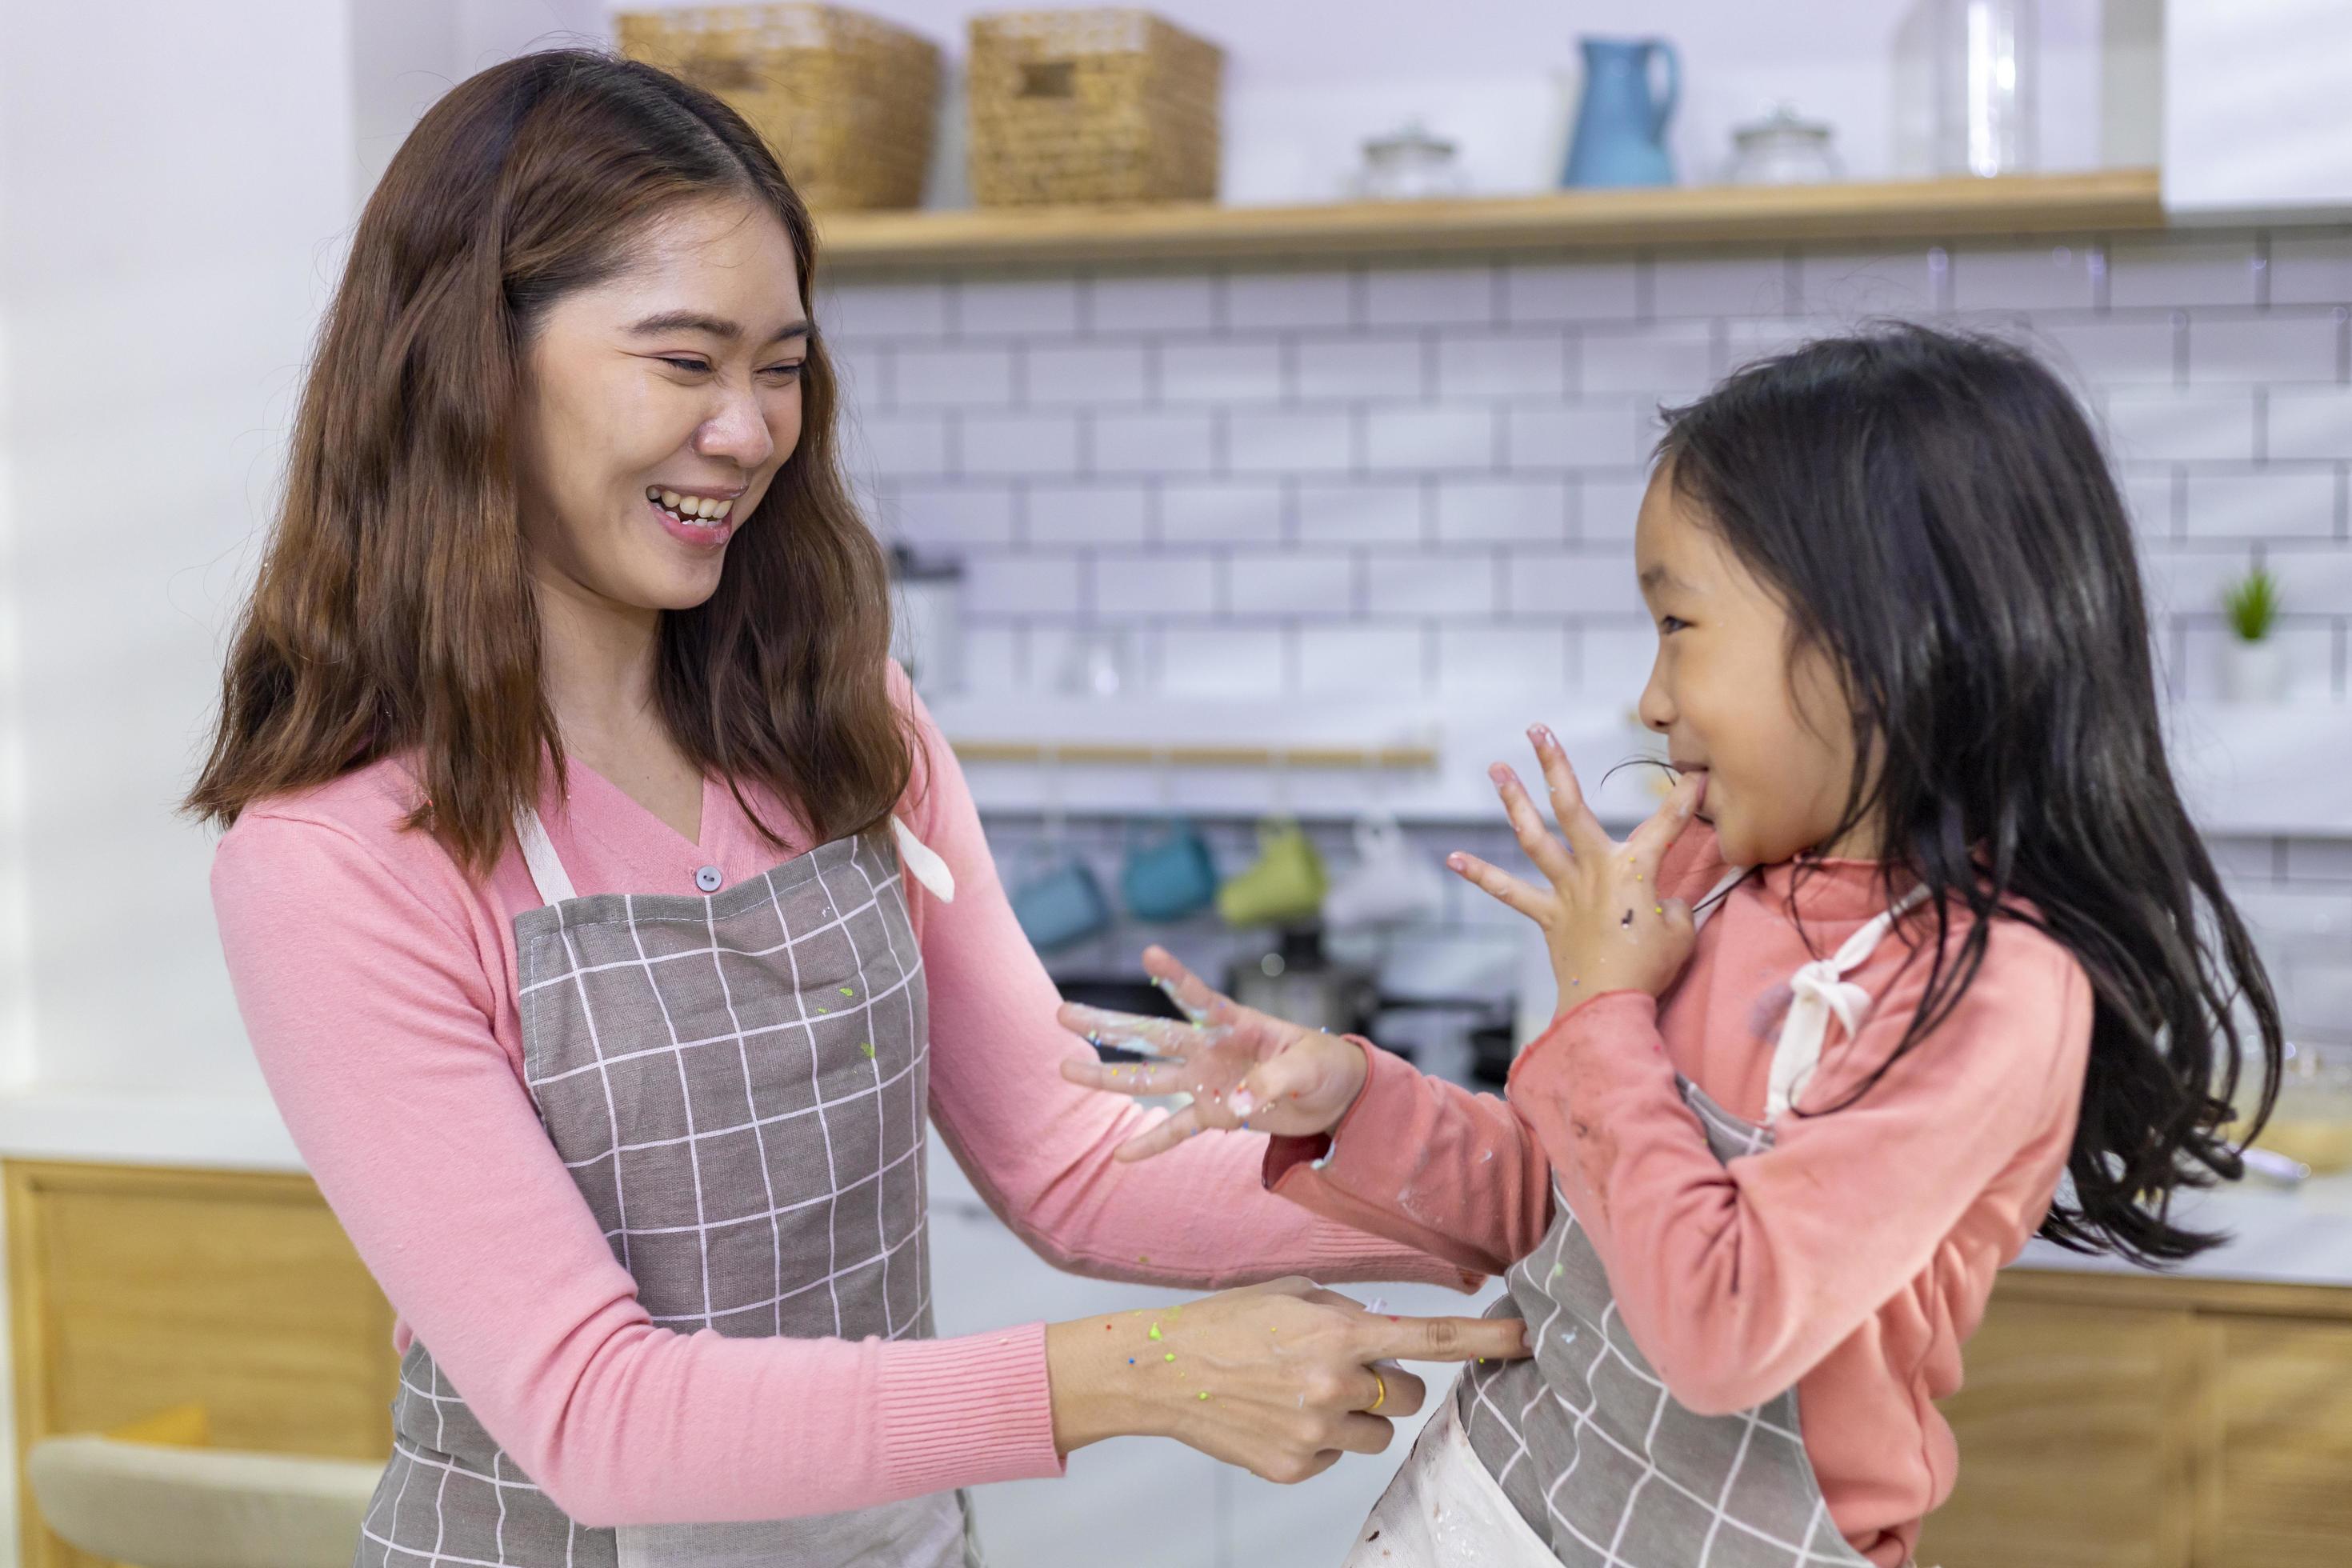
<point x="738" y="1084"/>
<point x="1583" y="1439"/>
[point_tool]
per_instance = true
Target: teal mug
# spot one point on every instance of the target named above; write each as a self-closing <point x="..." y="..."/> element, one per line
<point x="1060" y="905"/>
<point x="1169" y="874"/>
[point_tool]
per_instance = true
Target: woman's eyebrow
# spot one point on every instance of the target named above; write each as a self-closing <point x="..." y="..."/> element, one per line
<point x="715" y="326"/>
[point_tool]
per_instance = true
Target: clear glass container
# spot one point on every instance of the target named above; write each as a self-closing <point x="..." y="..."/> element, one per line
<point x="1986" y="76"/>
<point x="1409" y="164"/>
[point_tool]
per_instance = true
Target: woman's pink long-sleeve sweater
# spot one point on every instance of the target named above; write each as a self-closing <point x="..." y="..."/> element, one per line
<point x="1851" y="1259"/>
<point x="377" y="981"/>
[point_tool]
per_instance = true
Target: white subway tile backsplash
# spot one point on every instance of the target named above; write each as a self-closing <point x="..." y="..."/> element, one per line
<point x="1383" y="513"/>
<point x="1416" y="440"/>
<point x="1155" y="442"/>
<point x="1332" y="370"/>
<point x="897" y="446"/>
<point x="1220" y="372"/>
<point x="2149" y="425"/>
<point x="1285" y="441"/>
<point x="1181" y="302"/>
<point x="2311" y="267"/>
<point x="2269" y="504"/>
<point x="2319" y="859"/>
<point x="958" y="516"/>
<point x="871" y="311"/>
<point x="1533" y="510"/>
<point x="1021" y="308"/>
<point x="954" y="377"/>
<point x="2310" y="423"/>
<point x="1384" y="657"/>
<point x="1525" y="362"/>
<point x="1545" y="437"/>
<point x="1254" y="299"/>
<point x="1841" y="289"/>
<point x="2054" y="277"/>
<point x="1565" y="583"/>
<point x="1536" y="292"/>
<point x="1757" y="284"/>
<point x="1461" y="583"/>
<point x="1475" y="658"/>
<point x="1019" y="442"/>
<point x="1677" y="359"/>
<point x="1292" y="582"/>
<point x="1093" y="514"/>
<point x="2119" y="351"/>
<point x="1607" y="508"/>
<point x="1405" y="478"/>
<point x="1094" y="375"/>
<point x="1222" y="661"/>
<point x="2223" y="270"/>
<point x="2276" y="345"/>
<point x="1210" y="513"/>
<point x="1026" y="583"/>
<point x="1414" y="297"/>
<point x="1162" y="582"/>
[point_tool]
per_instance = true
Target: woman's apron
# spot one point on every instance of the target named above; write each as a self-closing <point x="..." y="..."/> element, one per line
<point x="1579" y="1455"/>
<point x="738" y="1084"/>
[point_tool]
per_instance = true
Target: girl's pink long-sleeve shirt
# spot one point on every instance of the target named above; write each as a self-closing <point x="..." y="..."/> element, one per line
<point x="377" y="981"/>
<point x="1851" y="1259"/>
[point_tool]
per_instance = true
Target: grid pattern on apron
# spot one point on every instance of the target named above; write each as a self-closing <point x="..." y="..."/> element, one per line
<point x="1601" y="1462"/>
<point x="738" y="1085"/>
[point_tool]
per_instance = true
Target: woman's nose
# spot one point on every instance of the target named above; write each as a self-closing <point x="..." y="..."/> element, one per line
<point x="736" y="431"/>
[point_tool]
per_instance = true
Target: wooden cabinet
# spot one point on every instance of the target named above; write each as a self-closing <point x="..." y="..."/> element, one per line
<point x="2127" y="1421"/>
<point x="134" y="1289"/>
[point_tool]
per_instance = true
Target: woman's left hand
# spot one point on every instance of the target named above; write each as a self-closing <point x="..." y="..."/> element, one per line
<point x="1605" y="919"/>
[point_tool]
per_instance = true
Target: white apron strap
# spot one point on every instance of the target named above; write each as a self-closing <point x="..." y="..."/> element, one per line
<point x="547" y="873"/>
<point x="924" y="862"/>
<point x="1820" y="992"/>
<point x="1713" y="901"/>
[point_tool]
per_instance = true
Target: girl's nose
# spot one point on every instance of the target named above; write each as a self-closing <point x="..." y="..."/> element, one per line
<point x="1656" y="708"/>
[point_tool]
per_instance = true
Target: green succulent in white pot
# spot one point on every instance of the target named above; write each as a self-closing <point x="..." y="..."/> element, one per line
<point x="2253" y="665"/>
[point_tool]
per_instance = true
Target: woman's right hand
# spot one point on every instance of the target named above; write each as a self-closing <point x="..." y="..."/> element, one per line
<point x="1280" y="1379"/>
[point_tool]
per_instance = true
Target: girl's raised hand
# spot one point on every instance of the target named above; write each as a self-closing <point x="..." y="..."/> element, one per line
<point x="1243" y="1068"/>
<point x="1608" y="925"/>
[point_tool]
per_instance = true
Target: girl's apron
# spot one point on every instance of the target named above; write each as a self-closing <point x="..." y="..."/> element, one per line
<point x="738" y="1084"/>
<point x="1579" y="1455"/>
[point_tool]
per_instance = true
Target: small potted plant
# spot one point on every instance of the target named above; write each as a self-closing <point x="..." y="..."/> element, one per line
<point x="2253" y="665"/>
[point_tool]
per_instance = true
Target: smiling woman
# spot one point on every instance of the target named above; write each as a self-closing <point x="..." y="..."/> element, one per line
<point x="610" y="919"/>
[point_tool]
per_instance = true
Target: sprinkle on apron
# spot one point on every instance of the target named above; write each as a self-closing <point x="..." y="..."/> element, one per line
<point x="867" y="1047"/>
<point x="845" y="991"/>
<point x="1155" y="1331"/>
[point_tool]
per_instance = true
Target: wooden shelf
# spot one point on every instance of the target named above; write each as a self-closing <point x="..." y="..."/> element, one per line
<point x="933" y="240"/>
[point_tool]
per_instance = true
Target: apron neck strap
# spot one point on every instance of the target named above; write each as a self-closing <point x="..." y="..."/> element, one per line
<point x="547" y="873"/>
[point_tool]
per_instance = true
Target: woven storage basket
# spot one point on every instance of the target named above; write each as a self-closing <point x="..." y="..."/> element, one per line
<point x="847" y="102"/>
<point x="1091" y="106"/>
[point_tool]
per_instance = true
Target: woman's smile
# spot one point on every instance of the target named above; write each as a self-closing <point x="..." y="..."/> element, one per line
<point x="703" y="519"/>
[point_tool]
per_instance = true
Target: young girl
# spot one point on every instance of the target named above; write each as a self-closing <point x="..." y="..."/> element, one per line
<point x="1922" y="934"/>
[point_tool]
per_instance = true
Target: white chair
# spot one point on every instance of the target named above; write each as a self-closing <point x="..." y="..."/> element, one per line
<point x="151" y="1505"/>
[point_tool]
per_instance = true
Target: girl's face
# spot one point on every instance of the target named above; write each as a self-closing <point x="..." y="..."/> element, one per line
<point x="660" y="405"/>
<point x="1773" y="733"/>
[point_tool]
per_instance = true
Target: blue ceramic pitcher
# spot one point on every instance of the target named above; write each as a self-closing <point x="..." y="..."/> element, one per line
<point x="1621" y="126"/>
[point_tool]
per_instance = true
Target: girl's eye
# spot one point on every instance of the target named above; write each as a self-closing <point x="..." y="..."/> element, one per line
<point x="1669" y="626"/>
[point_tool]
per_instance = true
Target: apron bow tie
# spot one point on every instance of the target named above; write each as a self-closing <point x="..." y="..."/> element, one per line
<point x="1819" y="981"/>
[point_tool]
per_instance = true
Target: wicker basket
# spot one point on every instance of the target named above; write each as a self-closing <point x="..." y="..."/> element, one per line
<point x="1091" y="106"/>
<point x="848" y="103"/>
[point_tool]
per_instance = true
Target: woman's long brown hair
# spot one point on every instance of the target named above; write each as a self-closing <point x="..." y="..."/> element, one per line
<point x="394" y="612"/>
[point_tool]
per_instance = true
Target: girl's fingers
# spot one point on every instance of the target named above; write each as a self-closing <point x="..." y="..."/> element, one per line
<point x="1161" y="1036"/>
<point x="1582" y="829"/>
<point x="1159" y="1139"/>
<point x="1140" y="1079"/>
<point x="1203" y="1003"/>
<point x="1500" y="884"/>
<point x="1648" y="843"/>
<point x="1550" y="856"/>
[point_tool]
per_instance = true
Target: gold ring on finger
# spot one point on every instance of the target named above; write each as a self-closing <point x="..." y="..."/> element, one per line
<point x="1382" y="1385"/>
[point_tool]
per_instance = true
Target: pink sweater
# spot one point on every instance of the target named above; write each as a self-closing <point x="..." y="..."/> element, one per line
<point x="377" y="981"/>
<point x="1851" y="1260"/>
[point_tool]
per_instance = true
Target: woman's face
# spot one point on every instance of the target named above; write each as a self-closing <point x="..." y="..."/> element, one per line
<point x="660" y="405"/>
<point x="1772" y="732"/>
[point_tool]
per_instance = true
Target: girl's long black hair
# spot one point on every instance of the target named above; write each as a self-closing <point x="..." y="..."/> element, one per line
<point x="1936" y="513"/>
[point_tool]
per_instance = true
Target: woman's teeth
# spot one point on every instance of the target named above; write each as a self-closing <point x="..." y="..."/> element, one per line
<point x="699" y="510"/>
